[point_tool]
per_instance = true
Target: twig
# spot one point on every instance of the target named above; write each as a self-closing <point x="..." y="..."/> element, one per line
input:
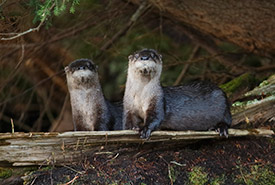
<point x="79" y="172"/>
<point x="186" y="66"/>
<point x="242" y="175"/>
<point x="23" y="113"/>
<point x="39" y="83"/>
<point x="12" y="126"/>
<point x="61" y="114"/>
<point x="210" y="46"/>
<point x="21" y="57"/>
<point x="170" y="174"/>
<point x="17" y="123"/>
<point x="176" y="163"/>
<point x="141" y="9"/>
<point x="34" y="180"/>
<point x="109" y="160"/>
<point x="71" y="181"/>
<point x="15" y="71"/>
<point x="194" y="61"/>
<point x="168" y="168"/>
<point x="265" y="68"/>
<point x="46" y="101"/>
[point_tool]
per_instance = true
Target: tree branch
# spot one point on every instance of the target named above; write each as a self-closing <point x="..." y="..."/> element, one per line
<point x="186" y="66"/>
<point x="29" y="30"/>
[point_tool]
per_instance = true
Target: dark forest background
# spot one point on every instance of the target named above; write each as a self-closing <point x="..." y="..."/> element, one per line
<point x="211" y="40"/>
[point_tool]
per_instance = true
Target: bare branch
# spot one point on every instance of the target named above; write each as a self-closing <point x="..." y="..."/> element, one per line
<point x="142" y="8"/>
<point x="3" y="2"/>
<point x="23" y="33"/>
<point x="27" y="31"/>
<point x="27" y="90"/>
<point x="186" y="66"/>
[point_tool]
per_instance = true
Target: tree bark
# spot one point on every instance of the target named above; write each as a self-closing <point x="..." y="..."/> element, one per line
<point x="248" y="24"/>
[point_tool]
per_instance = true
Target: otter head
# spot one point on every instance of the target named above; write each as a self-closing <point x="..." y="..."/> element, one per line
<point x="146" y="63"/>
<point x="81" y="73"/>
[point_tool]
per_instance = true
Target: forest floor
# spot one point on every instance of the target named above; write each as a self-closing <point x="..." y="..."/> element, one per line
<point x="221" y="161"/>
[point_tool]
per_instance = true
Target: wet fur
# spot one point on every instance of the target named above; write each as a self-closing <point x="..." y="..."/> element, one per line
<point x="196" y="106"/>
<point x="90" y="110"/>
<point x="148" y="106"/>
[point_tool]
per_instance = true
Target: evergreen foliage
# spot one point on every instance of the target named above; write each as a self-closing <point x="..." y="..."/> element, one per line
<point x="45" y="9"/>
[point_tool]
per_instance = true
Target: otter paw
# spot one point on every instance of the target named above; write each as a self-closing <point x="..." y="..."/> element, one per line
<point x="222" y="129"/>
<point x="145" y="133"/>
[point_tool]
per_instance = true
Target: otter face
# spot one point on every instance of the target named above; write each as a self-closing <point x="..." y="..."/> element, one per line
<point x="146" y="62"/>
<point x="81" y="72"/>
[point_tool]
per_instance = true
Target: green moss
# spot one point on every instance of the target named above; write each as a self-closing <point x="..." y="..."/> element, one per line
<point x="237" y="83"/>
<point x="255" y="174"/>
<point x="264" y="83"/>
<point x="272" y="141"/>
<point x="198" y="176"/>
<point x="218" y="180"/>
<point x="172" y="174"/>
<point x="5" y="173"/>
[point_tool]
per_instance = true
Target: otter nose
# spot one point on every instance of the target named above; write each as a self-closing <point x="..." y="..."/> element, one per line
<point x="81" y="67"/>
<point x="144" y="58"/>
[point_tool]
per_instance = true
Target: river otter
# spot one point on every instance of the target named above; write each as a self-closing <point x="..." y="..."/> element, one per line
<point x="91" y="111"/>
<point x="149" y="106"/>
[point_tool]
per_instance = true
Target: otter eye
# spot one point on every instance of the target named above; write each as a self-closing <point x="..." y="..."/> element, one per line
<point x="136" y="56"/>
<point x="153" y="55"/>
<point x="81" y="67"/>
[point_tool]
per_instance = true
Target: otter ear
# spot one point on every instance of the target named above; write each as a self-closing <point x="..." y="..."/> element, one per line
<point x="130" y="57"/>
<point x="66" y="69"/>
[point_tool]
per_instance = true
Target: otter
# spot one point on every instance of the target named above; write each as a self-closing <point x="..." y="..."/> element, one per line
<point x="148" y="106"/>
<point x="90" y="110"/>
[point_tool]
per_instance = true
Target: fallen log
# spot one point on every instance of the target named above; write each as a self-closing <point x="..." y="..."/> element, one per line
<point x="24" y="149"/>
<point x="259" y="109"/>
<point x="255" y="113"/>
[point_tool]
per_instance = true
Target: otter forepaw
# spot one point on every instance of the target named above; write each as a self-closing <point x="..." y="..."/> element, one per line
<point x="145" y="133"/>
<point x="222" y="129"/>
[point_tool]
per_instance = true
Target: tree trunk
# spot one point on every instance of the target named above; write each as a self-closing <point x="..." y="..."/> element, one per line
<point x="248" y="24"/>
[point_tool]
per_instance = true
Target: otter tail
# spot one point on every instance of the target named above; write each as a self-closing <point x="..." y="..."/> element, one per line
<point x="227" y="118"/>
<point x="222" y="127"/>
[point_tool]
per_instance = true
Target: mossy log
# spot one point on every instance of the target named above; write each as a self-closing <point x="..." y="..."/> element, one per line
<point x="23" y="149"/>
<point x="236" y="87"/>
<point x="260" y="107"/>
<point x="267" y="87"/>
<point x="255" y="113"/>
